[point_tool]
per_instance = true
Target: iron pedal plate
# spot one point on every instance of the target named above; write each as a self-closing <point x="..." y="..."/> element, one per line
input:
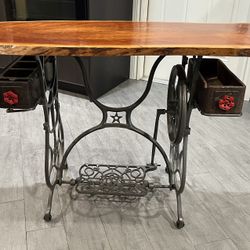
<point x="117" y="180"/>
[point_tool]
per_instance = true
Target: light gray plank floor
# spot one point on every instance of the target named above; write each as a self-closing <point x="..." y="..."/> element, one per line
<point x="216" y="202"/>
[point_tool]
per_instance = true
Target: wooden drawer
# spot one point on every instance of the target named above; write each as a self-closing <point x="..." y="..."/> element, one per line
<point x="20" y="86"/>
<point x="219" y="91"/>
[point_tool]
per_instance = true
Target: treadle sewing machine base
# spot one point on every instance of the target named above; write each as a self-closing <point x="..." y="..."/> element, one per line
<point x="206" y="84"/>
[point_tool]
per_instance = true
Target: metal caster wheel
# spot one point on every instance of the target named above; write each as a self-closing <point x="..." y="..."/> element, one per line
<point x="180" y="224"/>
<point x="47" y="217"/>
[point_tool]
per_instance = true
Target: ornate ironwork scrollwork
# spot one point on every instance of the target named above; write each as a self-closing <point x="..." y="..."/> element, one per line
<point x="112" y="180"/>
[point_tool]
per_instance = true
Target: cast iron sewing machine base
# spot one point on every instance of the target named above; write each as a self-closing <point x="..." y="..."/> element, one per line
<point x="123" y="180"/>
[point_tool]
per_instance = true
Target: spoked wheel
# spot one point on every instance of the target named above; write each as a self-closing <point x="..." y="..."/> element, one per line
<point x="177" y="104"/>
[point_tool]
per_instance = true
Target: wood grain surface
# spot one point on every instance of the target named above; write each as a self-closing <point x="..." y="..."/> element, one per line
<point x="114" y="38"/>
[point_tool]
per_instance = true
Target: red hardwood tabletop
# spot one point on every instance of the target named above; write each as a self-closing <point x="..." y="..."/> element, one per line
<point x="116" y="38"/>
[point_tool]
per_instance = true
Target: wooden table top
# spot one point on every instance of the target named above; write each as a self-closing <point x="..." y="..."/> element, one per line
<point x="114" y="38"/>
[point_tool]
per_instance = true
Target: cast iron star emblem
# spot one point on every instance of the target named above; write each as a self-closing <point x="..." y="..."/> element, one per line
<point x="116" y="118"/>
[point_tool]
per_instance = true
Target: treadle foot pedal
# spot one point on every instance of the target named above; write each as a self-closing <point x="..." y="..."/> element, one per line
<point x="117" y="180"/>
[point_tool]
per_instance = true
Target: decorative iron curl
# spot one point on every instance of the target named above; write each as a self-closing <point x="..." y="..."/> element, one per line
<point x="112" y="180"/>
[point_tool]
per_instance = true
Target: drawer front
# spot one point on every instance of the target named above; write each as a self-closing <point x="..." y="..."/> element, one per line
<point x="15" y="96"/>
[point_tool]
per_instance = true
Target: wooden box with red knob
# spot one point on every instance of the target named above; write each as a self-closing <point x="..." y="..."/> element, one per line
<point x="219" y="91"/>
<point x="20" y="86"/>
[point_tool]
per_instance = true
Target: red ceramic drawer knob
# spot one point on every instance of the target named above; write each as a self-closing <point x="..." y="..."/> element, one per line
<point x="226" y="103"/>
<point x="10" y="98"/>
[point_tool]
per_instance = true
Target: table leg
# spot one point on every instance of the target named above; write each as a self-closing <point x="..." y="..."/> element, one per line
<point x="177" y="131"/>
<point x="54" y="135"/>
<point x="180" y="103"/>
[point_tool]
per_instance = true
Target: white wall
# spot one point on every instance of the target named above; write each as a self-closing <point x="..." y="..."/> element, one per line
<point x="209" y="11"/>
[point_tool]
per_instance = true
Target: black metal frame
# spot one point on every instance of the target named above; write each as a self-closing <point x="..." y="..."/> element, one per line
<point x="114" y="179"/>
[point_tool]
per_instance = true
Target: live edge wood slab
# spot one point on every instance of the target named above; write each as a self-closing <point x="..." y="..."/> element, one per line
<point x="114" y="38"/>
